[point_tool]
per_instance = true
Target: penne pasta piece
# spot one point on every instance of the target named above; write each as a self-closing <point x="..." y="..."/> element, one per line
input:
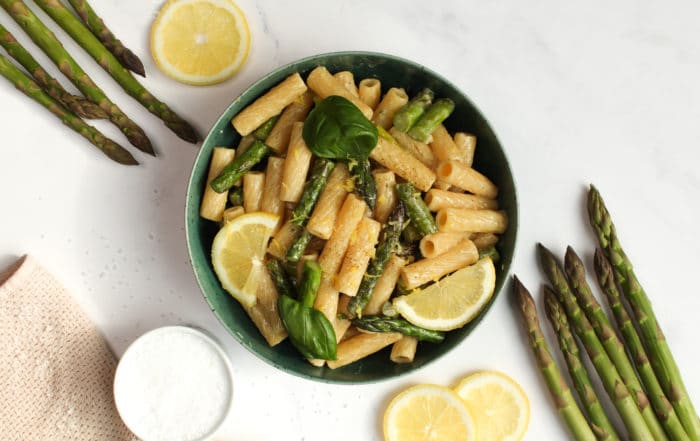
<point x="296" y="165"/>
<point x="462" y="176"/>
<point x="269" y="105"/>
<point x="351" y="332"/>
<point x="437" y="199"/>
<point x="264" y="312"/>
<point x="404" y="164"/>
<point x="386" y="194"/>
<point x="271" y="202"/>
<point x="360" y="251"/>
<point x="362" y="345"/>
<point x="253" y="184"/>
<point x="418" y="149"/>
<point x="370" y="91"/>
<point x="385" y="285"/>
<point x="404" y="350"/>
<point x="429" y="270"/>
<point x="213" y="203"/>
<point x="324" y="85"/>
<point x="282" y="239"/>
<point x="331" y="257"/>
<point x="475" y="221"/>
<point x="466" y="143"/>
<point x="278" y="139"/>
<point x="326" y="210"/>
<point x="348" y="79"/>
<point x="484" y="240"/>
<point x="393" y="100"/>
<point x="438" y="243"/>
<point x="232" y="213"/>
<point x="442" y="185"/>
<point x="443" y="145"/>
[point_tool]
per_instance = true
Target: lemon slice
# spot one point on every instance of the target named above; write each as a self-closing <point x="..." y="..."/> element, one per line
<point x="200" y="41"/>
<point x="428" y="412"/>
<point x="238" y="254"/>
<point x="498" y="405"/>
<point x="453" y="301"/>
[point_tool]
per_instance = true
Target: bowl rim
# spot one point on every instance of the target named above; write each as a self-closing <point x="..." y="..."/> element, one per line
<point x="512" y="222"/>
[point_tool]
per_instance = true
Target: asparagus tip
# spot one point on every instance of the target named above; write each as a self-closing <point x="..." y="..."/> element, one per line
<point x="132" y="62"/>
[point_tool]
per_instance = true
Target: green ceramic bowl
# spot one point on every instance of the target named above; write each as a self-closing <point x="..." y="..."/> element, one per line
<point x="490" y="159"/>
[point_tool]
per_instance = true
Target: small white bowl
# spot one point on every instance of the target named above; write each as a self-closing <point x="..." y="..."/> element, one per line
<point x="174" y="383"/>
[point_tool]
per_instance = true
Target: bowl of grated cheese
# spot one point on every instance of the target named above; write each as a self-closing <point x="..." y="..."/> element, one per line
<point x="174" y="383"/>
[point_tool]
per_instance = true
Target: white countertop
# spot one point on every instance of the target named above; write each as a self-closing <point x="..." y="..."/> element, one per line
<point x="589" y="92"/>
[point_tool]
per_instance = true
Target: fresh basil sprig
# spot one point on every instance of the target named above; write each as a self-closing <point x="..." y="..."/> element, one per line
<point x="337" y="129"/>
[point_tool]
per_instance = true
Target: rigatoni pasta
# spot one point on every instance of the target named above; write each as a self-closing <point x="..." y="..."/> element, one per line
<point x="392" y="101"/>
<point x="370" y="91"/>
<point x="296" y="112"/>
<point x="213" y="203"/>
<point x="392" y="156"/>
<point x="462" y="176"/>
<point x="253" y="185"/>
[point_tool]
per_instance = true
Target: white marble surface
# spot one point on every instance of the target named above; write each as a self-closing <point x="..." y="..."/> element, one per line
<point x="601" y="92"/>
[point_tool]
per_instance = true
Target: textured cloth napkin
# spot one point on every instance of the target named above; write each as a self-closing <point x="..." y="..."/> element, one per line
<point x="56" y="371"/>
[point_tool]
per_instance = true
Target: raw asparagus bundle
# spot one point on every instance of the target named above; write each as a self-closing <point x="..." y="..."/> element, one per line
<point x="600" y="423"/>
<point x="72" y="25"/>
<point x="125" y="56"/>
<point x="563" y="399"/>
<point x="576" y="274"/>
<point x="660" y="356"/>
<point x="47" y="41"/>
<point x="614" y="386"/>
<point x="77" y="104"/>
<point x="25" y="84"/>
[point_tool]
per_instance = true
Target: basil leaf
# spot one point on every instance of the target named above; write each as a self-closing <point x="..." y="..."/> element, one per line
<point x="336" y="129"/>
<point x="309" y="330"/>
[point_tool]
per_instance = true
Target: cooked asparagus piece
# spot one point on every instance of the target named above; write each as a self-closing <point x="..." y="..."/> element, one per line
<point x="416" y="209"/>
<point x="25" y="84"/>
<point x="576" y="273"/>
<point x="77" y="104"/>
<point x="378" y="323"/>
<point x="559" y="390"/>
<point x="433" y="117"/>
<point x="322" y="168"/>
<point x="614" y="386"/>
<point x="662" y="407"/>
<point x="388" y="244"/>
<point x="652" y="336"/>
<point x="264" y="130"/>
<point x="125" y="56"/>
<point x="281" y="278"/>
<point x="407" y="116"/>
<point x="364" y="181"/>
<point x="77" y="30"/>
<point x="296" y="249"/>
<point x="600" y="423"/>
<point x="240" y="165"/>
<point x="235" y="196"/>
<point x="46" y="40"/>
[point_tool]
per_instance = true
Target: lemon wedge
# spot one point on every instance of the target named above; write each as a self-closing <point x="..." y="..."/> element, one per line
<point x="200" y="42"/>
<point x="498" y="404"/>
<point x="428" y="412"/>
<point x="451" y="302"/>
<point x="238" y="253"/>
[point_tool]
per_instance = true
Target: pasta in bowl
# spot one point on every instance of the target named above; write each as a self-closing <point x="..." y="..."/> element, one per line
<point x="378" y="179"/>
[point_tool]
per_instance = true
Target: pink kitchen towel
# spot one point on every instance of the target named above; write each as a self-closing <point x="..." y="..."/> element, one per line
<point x="56" y="370"/>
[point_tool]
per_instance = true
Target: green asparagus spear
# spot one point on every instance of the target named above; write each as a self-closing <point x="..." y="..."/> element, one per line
<point x="364" y="181"/>
<point x="281" y="278"/>
<point x="559" y="390"/>
<point x="662" y="407"/>
<point x="77" y="104"/>
<point x="296" y="249"/>
<point x="125" y="56"/>
<point x="407" y="116"/>
<point x="388" y="245"/>
<point x="378" y="323"/>
<point x="25" y="84"/>
<point x="262" y="132"/>
<point x="411" y="234"/>
<point x="433" y="117"/>
<point x="235" y="196"/>
<point x="576" y="273"/>
<point x="600" y="423"/>
<point x="416" y="209"/>
<point x="47" y="41"/>
<point x="312" y="190"/>
<point x="73" y="27"/>
<point x="652" y="336"/>
<point x="491" y="252"/>
<point x="619" y="394"/>
<point x="240" y="165"/>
